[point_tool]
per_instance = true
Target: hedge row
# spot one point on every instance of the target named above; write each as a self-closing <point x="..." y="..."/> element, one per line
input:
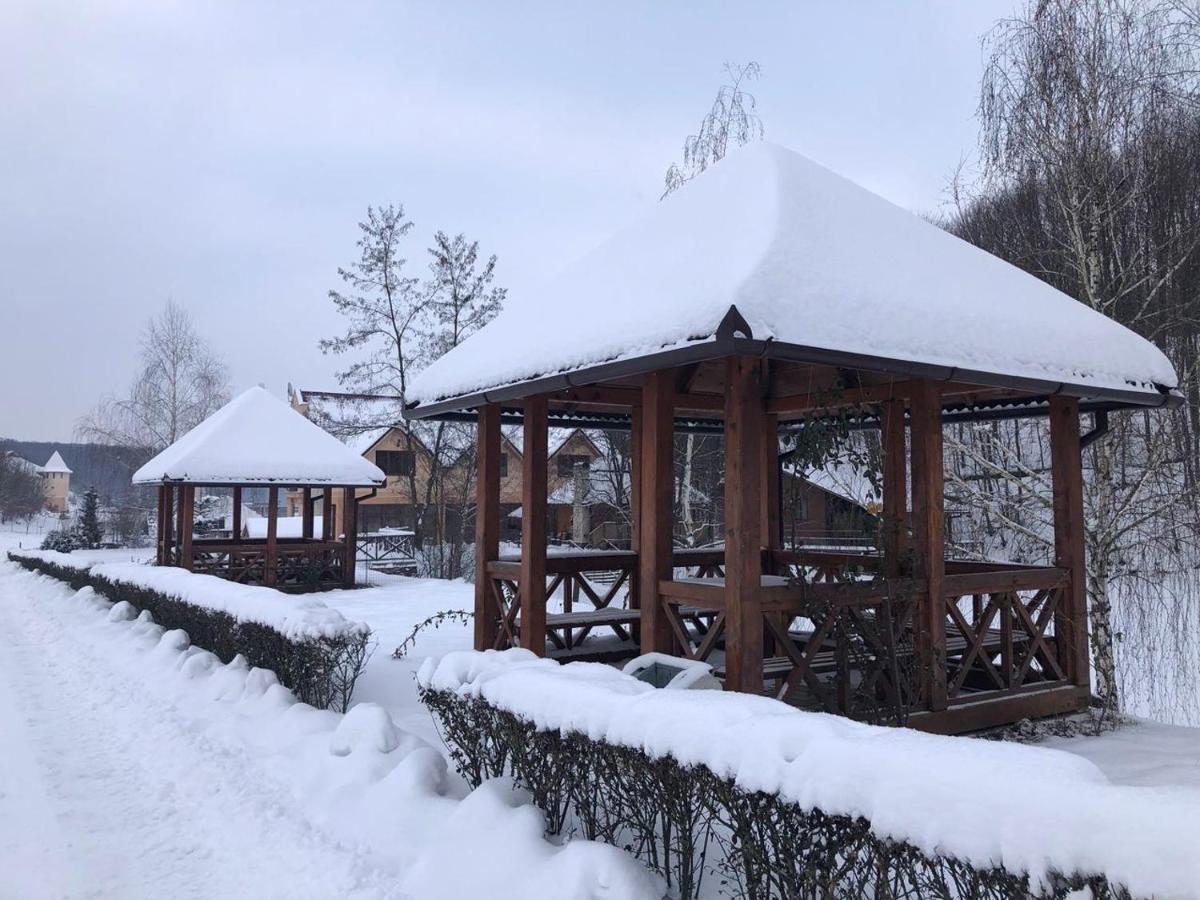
<point x="689" y="824"/>
<point x="319" y="671"/>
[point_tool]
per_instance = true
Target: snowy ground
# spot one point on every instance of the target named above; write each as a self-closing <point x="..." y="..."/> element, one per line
<point x="137" y="767"/>
<point x="121" y="778"/>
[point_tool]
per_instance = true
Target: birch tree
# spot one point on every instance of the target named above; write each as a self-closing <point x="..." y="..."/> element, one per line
<point x="1083" y="104"/>
<point x="179" y="383"/>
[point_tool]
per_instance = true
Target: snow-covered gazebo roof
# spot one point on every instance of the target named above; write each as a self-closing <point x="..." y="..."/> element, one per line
<point x="769" y="253"/>
<point x="258" y="439"/>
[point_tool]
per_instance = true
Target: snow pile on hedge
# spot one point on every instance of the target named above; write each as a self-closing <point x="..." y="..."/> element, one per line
<point x="1025" y="808"/>
<point x="299" y="617"/>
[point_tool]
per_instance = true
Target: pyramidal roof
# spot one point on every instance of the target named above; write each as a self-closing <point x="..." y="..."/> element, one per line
<point x="807" y="258"/>
<point x="56" y="464"/>
<point x="256" y="438"/>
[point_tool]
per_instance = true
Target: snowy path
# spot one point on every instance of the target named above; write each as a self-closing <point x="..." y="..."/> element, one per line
<point x="106" y="790"/>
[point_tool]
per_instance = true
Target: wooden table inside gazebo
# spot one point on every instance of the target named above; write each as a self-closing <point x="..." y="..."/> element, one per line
<point x="258" y="442"/>
<point x="766" y="295"/>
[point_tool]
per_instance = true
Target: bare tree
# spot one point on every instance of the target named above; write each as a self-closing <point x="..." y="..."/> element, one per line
<point x="732" y="119"/>
<point x="180" y="382"/>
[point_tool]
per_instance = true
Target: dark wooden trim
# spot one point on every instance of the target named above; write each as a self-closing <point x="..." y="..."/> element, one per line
<point x="929" y="524"/>
<point x="1070" y="620"/>
<point x="656" y="473"/>
<point x="635" y="493"/>
<point x="487" y="524"/>
<point x="160" y="517"/>
<point x="744" y="427"/>
<point x="327" y="513"/>
<point x="533" y="526"/>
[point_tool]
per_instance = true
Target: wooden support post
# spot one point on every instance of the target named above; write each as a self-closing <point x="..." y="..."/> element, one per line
<point x="770" y="472"/>
<point x="306" y="514"/>
<point x="236" y="529"/>
<point x="895" y="486"/>
<point x="349" y="535"/>
<point x="744" y="419"/>
<point x="656" y="472"/>
<point x="167" y="526"/>
<point x="533" y="526"/>
<point x="270" y="566"/>
<point x="1066" y="464"/>
<point x="187" y="505"/>
<point x="159" y="520"/>
<point x="487" y="525"/>
<point x="327" y="514"/>
<point x="929" y="525"/>
<point x="772" y="535"/>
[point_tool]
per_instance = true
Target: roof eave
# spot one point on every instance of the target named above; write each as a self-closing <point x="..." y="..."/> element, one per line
<point x="720" y="346"/>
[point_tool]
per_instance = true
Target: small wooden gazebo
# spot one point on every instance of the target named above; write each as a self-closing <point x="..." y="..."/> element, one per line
<point x="767" y="293"/>
<point x="258" y="442"/>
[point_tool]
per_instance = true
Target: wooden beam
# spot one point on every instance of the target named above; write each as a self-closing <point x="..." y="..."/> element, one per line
<point x="894" y="525"/>
<point x="349" y="535"/>
<point x="799" y="405"/>
<point x="487" y="524"/>
<point x="655" y="502"/>
<point x="270" y="566"/>
<point x="236" y="528"/>
<point x="187" y="505"/>
<point x="1066" y="465"/>
<point x="533" y="526"/>
<point x="744" y="424"/>
<point x="929" y="524"/>
<point x="626" y="398"/>
<point x="327" y="513"/>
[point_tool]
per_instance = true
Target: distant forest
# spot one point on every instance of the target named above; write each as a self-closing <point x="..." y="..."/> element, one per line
<point x="104" y="467"/>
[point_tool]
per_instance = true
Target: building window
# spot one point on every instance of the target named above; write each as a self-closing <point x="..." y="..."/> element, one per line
<point x="395" y="462"/>
<point x="567" y="461"/>
<point x="503" y="465"/>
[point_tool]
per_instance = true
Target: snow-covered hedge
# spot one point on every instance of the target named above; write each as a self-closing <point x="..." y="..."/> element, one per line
<point x="311" y="647"/>
<point x="774" y="801"/>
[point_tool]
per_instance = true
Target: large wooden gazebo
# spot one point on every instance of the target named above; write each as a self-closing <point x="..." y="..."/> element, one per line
<point x="768" y="293"/>
<point x="256" y="442"/>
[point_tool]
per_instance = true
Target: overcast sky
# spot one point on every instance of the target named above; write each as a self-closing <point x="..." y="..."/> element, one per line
<point x="221" y="154"/>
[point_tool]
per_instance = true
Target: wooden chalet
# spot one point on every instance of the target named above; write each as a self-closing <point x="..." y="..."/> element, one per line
<point x="256" y="442"/>
<point x="767" y="294"/>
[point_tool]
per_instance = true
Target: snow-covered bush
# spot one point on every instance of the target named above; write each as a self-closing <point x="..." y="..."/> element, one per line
<point x="64" y="540"/>
<point x="319" y="664"/>
<point x="774" y="802"/>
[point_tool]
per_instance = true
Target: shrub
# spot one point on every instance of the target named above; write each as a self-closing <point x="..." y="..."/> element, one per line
<point x="687" y="823"/>
<point x="64" y="540"/>
<point x="319" y="671"/>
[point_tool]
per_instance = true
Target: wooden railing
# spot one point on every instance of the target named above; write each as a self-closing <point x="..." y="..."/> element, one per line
<point x="1000" y="630"/>
<point x="839" y="636"/>
<point x="299" y="563"/>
